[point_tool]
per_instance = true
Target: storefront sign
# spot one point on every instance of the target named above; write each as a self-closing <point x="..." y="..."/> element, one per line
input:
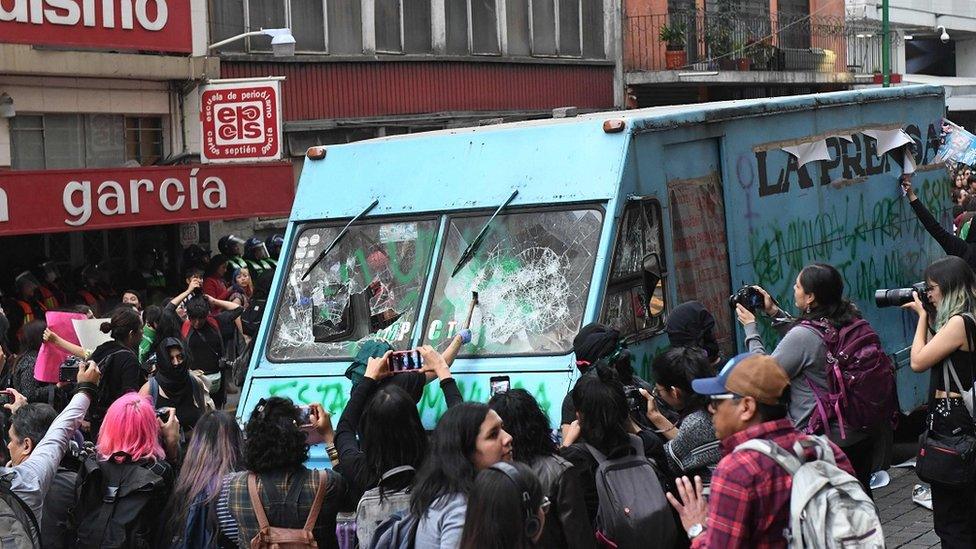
<point x="145" y="25"/>
<point x="241" y="120"/>
<point x="66" y="200"/>
<point x="189" y="234"/>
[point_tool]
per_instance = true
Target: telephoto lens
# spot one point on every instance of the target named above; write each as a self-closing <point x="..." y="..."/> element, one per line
<point x="893" y="298"/>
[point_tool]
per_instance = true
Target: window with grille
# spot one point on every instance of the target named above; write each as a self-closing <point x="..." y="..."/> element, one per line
<point x="65" y="141"/>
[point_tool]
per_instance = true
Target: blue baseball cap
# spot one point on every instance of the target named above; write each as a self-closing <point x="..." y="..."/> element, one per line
<point x="748" y="374"/>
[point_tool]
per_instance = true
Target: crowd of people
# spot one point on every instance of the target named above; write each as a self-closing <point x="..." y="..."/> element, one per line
<point x="138" y="448"/>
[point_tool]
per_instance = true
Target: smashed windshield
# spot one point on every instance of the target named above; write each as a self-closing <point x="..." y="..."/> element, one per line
<point x="369" y="285"/>
<point x="532" y="274"/>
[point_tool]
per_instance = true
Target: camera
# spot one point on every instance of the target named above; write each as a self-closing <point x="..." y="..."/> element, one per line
<point x="6" y="398"/>
<point x="749" y="297"/>
<point x="69" y="369"/>
<point x="162" y="414"/>
<point x="899" y="296"/>
<point x="636" y="402"/>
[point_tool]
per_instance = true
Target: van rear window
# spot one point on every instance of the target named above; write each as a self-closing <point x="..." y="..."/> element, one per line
<point x="532" y="273"/>
<point x="370" y="283"/>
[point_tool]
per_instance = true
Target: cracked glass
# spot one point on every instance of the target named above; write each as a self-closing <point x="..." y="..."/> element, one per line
<point x="385" y="263"/>
<point x="532" y="273"/>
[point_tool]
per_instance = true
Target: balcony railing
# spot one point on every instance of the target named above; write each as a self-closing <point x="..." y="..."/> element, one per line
<point x="757" y="42"/>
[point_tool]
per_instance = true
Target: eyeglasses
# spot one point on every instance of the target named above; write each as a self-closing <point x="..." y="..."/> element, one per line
<point x="546" y="504"/>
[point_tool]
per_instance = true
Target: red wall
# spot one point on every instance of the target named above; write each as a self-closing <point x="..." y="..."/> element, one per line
<point x="359" y="89"/>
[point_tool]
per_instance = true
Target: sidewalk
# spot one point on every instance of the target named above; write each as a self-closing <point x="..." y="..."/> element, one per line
<point x="905" y="523"/>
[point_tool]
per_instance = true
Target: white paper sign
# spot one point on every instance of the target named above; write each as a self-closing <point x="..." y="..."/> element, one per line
<point x="89" y="331"/>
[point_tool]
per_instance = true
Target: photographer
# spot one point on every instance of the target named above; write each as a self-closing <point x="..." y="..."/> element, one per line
<point x="952" y="244"/>
<point x="818" y="293"/>
<point x="941" y="340"/>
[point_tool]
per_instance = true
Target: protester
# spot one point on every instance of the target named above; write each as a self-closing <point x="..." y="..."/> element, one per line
<point x="242" y="288"/>
<point x="950" y="243"/>
<point x="173" y="386"/>
<point x="34" y="451"/>
<point x="468" y="438"/>
<point x="818" y="293"/>
<point x="275" y="452"/>
<point x="603" y="422"/>
<point x="390" y="432"/>
<point x="133" y="299"/>
<point x="214" y="284"/>
<point x="214" y="452"/>
<point x="118" y="361"/>
<point x="132" y="466"/>
<point x="31" y="338"/>
<point x="206" y="335"/>
<point x="150" y="317"/>
<point x="568" y="524"/>
<point x="692" y="325"/>
<point x="749" y="502"/>
<point x="506" y="509"/>
<point x="951" y="290"/>
<point x="691" y="446"/>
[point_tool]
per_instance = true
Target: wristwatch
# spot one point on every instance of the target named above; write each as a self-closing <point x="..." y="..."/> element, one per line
<point x="695" y="530"/>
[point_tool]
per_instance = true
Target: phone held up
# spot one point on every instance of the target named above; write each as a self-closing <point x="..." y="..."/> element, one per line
<point x="499" y="384"/>
<point x="405" y="361"/>
<point x="312" y="435"/>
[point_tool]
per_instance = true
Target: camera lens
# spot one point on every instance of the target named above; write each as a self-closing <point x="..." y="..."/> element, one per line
<point x="893" y="298"/>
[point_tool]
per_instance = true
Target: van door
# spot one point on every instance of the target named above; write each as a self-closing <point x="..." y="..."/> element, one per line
<point x="700" y="258"/>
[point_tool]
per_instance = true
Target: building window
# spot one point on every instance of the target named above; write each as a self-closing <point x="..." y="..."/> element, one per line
<point x="564" y="28"/>
<point x="472" y="27"/>
<point x="65" y="141"/>
<point x="306" y="19"/>
<point x="144" y="139"/>
<point x="402" y="26"/>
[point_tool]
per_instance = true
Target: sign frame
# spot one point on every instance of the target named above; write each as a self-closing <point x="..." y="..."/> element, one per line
<point x="227" y="109"/>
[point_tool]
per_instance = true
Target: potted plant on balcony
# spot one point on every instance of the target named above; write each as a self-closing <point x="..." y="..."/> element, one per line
<point x="742" y="60"/>
<point x="762" y="53"/>
<point x="720" y="47"/>
<point x="673" y="35"/>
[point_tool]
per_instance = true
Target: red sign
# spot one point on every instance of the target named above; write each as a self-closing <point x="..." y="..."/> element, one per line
<point x="70" y="200"/>
<point x="153" y="25"/>
<point x="241" y="121"/>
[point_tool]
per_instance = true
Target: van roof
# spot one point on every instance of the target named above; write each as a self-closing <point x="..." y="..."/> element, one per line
<point x="547" y="161"/>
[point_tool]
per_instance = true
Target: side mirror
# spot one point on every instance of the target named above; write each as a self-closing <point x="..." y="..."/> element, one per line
<point x="653" y="287"/>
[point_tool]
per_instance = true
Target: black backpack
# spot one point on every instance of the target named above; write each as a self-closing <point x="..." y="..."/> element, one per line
<point x="118" y="503"/>
<point x="18" y="525"/>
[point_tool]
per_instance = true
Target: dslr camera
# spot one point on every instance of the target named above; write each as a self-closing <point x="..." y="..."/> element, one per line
<point x="69" y="369"/>
<point x="749" y="297"/>
<point x="635" y="401"/>
<point x="899" y="296"/>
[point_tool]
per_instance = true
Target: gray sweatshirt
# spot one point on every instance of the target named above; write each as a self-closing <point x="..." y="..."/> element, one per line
<point x="803" y="356"/>
<point x="441" y="527"/>
<point x="31" y="479"/>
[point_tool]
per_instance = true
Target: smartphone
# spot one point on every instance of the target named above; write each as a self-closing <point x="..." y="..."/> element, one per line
<point x="405" y="361"/>
<point x="304" y="415"/>
<point x="499" y="384"/>
<point x="162" y="414"/>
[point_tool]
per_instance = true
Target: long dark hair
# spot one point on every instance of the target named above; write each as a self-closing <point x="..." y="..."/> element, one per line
<point x="525" y="421"/>
<point x="827" y="286"/>
<point x="602" y="405"/>
<point x="448" y="468"/>
<point x="677" y="367"/>
<point x="391" y="433"/>
<point x="213" y="452"/>
<point x="32" y="336"/>
<point x="496" y="516"/>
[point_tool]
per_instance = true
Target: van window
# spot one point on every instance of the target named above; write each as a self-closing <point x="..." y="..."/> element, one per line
<point x="371" y="282"/>
<point x="639" y="234"/>
<point x="532" y="273"/>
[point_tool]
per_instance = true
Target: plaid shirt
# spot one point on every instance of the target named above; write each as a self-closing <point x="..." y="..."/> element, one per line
<point x="749" y="504"/>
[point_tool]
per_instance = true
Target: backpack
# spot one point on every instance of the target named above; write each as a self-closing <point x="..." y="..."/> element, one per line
<point x="198" y="532"/>
<point x="632" y="507"/>
<point x="828" y="507"/>
<point x="268" y="536"/>
<point x="861" y="389"/>
<point x="375" y="506"/>
<point x="18" y="525"/>
<point x="397" y="532"/>
<point x="118" y="503"/>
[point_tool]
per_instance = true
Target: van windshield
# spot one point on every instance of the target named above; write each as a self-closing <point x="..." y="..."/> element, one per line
<point x="532" y="273"/>
<point x="370" y="283"/>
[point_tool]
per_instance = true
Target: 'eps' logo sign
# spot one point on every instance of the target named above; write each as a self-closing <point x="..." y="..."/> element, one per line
<point x="241" y="121"/>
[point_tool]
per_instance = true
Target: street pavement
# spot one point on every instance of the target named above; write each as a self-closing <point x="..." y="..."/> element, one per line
<point x="905" y="523"/>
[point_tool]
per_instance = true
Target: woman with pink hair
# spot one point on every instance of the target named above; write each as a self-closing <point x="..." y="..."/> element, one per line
<point x="129" y="465"/>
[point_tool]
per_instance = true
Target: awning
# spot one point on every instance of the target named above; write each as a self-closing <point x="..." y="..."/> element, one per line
<point x="960" y="91"/>
<point x="84" y="199"/>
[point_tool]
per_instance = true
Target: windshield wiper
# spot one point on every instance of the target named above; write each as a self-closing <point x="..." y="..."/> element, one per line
<point x="473" y="247"/>
<point x="339" y="237"/>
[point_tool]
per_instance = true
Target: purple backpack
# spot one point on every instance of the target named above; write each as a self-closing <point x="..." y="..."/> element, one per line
<point x="861" y="390"/>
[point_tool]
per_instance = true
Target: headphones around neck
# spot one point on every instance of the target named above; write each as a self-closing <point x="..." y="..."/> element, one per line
<point x="532" y="523"/>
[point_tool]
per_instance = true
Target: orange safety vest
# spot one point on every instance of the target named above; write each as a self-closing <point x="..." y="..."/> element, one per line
<point x="48" y="301"/>
<point x="28" y="312"/>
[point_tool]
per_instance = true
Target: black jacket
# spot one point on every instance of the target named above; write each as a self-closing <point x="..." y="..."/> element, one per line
<point x="121" y="373"/>
<point x="568" y="523"/>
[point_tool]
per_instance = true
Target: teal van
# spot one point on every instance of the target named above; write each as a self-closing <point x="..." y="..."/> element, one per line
<point x="613" y="217"/>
